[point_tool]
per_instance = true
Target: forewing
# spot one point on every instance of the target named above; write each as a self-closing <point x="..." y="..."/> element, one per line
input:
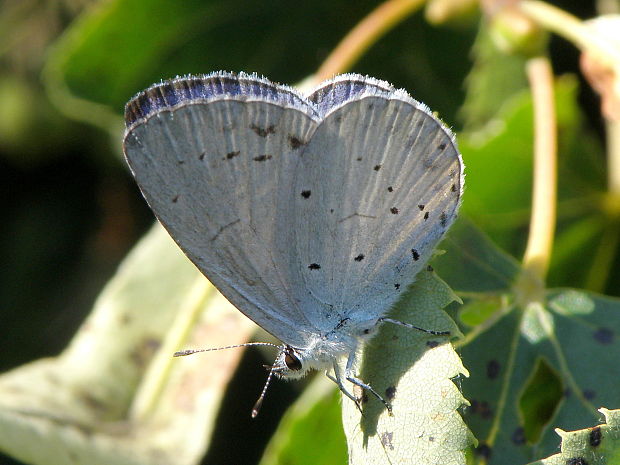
<point x="385" y="182"/>
<point x="218" y="171"/>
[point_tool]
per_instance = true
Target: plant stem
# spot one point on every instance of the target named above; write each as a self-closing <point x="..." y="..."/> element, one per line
<point x="542" y="224"/>
<point x="364" y="35"/>
<point x="613" y="158"/>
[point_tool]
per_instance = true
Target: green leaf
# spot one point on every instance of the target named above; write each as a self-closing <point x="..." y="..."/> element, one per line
<point x="116" y="395"/>
<point x="311" y="431"/>
<point x="562" y="339"/>
<point x="414" y="371"/>
<point x="599" y="445"/>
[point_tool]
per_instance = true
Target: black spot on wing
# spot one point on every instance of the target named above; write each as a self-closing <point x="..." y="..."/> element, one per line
<point x="314" y="266"/>
<point x="441" y="146"/>
<point x="175" y="199"/>
<point x="394" y="211"/>
<point x="377" y="167"/>
<point x="425" y="216"/>
<point x="359" y="258"/>
<point x="421" y="206"/>
<point x="263" y="132"/>
<point x="231" y="155"/>
<point x="306" y="194"/>
<point x="415" y="255"/>
<point x="295" y="142"/>
<point x="443" y="219"/>
<point x="396" y="286"/>
<point x="264" y="157"/>
<point x="390" y="189"/>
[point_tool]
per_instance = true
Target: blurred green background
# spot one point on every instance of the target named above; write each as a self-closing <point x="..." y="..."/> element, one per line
<point x="71" y="210"/>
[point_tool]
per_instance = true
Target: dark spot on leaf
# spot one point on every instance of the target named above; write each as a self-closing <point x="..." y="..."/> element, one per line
<point x="230" y="155"/>
<point x="386" y="440"/>
<point x="263" y="132"/>
<point x="394" y="211"/>
<point x="432" y="344"/>
<point x="175" y="199"/>
<point x="518" y="436"/>
<point x="604" y="336"/>
<point x="314" y="266"/>
<point x="595" y="436"/>
<point x="305" y="194"/>
<point x="484" y="409"/>
<point x="359" y="258"/>
<point x="415" y="255"/>
<point x="397" y="285"/>
<point x="390" y="392"/>
<point x="589" y="394"/>
<point x="493" y="368"/>
<point x="295" y="142"/>
<point x="473" y="406"/>
<point x="443" y="218"/>
<point x="425" y="216"/>
<point x="263" y="157"/>
<point x="483" y="450"/>
<point x="390" y="189"/>
<point x="576" y="461"/>
<point x="421" y="206"/>
<point x="441" y="146"/>
<point x="377" y="167"/>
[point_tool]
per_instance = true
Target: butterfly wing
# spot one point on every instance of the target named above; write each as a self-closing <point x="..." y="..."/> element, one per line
<point x="383" y="182"/>
<point x="216" y="158"/>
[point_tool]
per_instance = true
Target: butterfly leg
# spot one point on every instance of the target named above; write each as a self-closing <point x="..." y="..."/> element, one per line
<point x="348" y="373"/>
<point x="338" y="380"/>
<point x="410" y="326"/>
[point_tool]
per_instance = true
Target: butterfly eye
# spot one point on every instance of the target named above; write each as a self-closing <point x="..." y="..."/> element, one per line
<point x="291" y="361"/>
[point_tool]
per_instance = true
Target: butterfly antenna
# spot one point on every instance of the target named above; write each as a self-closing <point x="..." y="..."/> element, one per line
<point x="259" y="402"/>
<point x="183" y="353"/>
